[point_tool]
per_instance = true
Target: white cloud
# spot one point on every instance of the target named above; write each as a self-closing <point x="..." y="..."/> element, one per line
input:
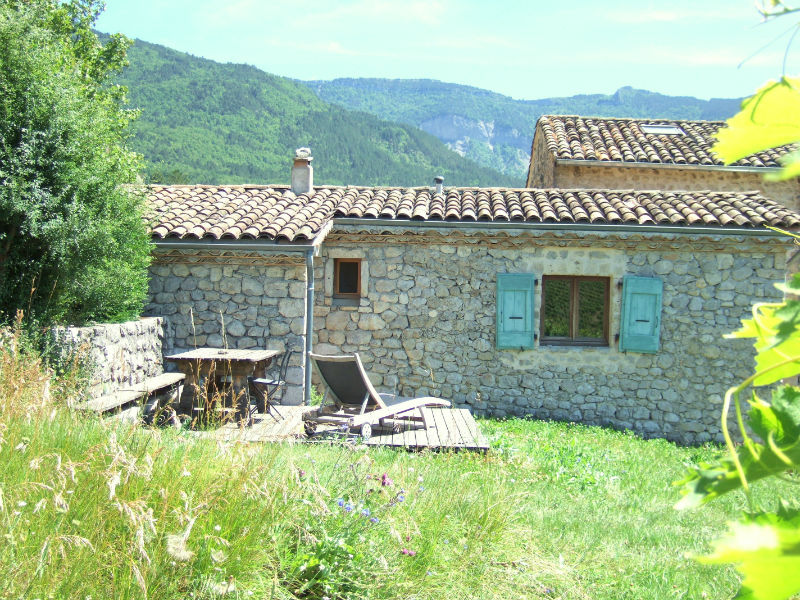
<point x="485" y="44"/>
<point x="630" y="17"/>
<point x="695" y="14"/>
<point x="371" y="12"/>
<point x="226" y="14"/>
<point x="337" y="48"/>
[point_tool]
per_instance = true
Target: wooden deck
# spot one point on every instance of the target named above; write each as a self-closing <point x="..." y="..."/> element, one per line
<point x="282" y="424"/>
<point x="448" y="429"/>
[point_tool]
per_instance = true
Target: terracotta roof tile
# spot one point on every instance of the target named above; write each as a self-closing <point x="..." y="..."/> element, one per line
<point x="623" y="140"/>
<point x="275" y="213"/>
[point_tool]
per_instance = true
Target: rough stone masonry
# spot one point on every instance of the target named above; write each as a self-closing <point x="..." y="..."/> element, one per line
<point x="425" y="324"/>
<point x="118" y="354"/>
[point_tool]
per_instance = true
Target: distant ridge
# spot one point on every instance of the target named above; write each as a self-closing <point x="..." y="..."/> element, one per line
<point x="496" y="130"/>
<point x="207" y="122"/>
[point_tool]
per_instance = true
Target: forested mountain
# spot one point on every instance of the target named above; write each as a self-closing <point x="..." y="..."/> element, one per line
<point x="207" y="122"/>
<point x="496" y="130"/>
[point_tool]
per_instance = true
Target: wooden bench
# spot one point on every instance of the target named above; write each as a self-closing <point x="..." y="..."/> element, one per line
<point x="150" y="387"/>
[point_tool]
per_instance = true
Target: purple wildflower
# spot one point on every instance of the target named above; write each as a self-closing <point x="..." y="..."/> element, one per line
<point x="400" y="497"/>
<point x="365" y="512"/>
<point x="408" y="552"/>
<point x="348" y="507"/>
<point x="340" y="501"/>
<point x="385" y="481"/>
<point x="374" y="520"/>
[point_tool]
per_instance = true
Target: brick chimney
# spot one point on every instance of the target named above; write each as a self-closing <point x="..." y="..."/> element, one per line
<point x="302" y="172"/>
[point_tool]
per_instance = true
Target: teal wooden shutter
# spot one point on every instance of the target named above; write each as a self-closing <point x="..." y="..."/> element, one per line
<point x="640" y="330"/>
<point x="515" y="310"/>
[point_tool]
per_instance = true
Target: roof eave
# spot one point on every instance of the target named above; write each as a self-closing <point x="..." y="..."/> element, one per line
<point x="496" y="226"/>
<point x="574" y="162"/>
<point x="276" y="247"/>
<point x="260" y="245"/>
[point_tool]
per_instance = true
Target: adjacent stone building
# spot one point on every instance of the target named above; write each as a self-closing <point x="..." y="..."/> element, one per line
<point x="597" y="306"/>
<point x="647" y="154"/>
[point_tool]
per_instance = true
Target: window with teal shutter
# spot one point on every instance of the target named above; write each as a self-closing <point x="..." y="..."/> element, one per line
<point x="515" y="310"/>
<point x="640" y="330"/>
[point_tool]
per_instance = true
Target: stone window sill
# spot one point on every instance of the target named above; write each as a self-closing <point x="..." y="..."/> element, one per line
<point x="355" y="302"/>
<point x="573" y="347"/>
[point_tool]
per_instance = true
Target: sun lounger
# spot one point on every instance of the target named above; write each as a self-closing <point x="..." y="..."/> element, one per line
<point x="356" y="403"/>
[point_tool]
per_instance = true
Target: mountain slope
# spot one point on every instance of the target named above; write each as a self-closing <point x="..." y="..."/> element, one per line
<point x="496" y="130"/>
<point x="207" y="122"/>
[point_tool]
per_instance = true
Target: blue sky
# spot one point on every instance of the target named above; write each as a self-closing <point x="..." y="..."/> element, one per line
<point x="526" y="50"/>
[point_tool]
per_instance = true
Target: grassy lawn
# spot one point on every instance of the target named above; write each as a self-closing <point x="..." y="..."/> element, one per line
<point x="553" y="511"/>
<point x="93" y="509"/>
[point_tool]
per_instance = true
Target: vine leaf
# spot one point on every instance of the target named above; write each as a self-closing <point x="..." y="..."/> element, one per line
<point x="789" y="316"/>
<point x="791" y="168"/>
<point x="767" y="119"/>
<point x="766" y="550"/>
<point x="775" y="328"/>
<point x="780" y="422"/>
<point x="786" y="406"/>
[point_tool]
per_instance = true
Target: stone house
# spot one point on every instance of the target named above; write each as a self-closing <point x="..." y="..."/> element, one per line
<point x="647" y="154"/>
<point x="600" y="306"/>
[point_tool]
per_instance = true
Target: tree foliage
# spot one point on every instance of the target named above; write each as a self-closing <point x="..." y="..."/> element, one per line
<point x="476" y="117"/>
<point x="73" y="245"/>
<point x="207" y="122"/>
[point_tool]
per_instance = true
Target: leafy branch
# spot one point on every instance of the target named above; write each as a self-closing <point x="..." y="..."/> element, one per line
<point x="764" y="545"/>
<point x="772" y="9"/>
<point x="767" y="120"/>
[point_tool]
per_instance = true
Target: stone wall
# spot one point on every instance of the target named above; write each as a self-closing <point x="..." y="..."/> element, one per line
<point x="426" y="325"/>
<point x="426" y="322"/>
<point x="670" y="178"/>
<point x="232" y="300"/>
<point x="119" y="354"/>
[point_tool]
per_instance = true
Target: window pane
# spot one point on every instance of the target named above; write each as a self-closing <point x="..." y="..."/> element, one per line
<point x="556" y="307"/>
<point x="348" y="278"/>
<point x="591" y="308"/>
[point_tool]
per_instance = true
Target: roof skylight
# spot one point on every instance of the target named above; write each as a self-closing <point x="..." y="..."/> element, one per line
<point x="662" y="129"/>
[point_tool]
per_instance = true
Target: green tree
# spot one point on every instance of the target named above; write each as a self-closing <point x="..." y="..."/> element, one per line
<point x="73" y="244"/>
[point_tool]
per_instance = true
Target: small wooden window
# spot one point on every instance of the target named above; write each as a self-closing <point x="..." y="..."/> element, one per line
<point x="574" y="310"/>
<point x="347" y="278"/>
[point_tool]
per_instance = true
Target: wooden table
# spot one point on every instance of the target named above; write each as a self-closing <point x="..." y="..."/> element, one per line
<point x="219" y="372"/>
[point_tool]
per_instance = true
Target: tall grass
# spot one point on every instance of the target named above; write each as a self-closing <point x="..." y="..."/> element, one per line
<point x="94" y="508"/>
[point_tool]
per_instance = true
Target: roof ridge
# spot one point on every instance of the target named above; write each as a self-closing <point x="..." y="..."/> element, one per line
<point x="632" y="119"/>
<point x="218" y="185"/>
<point x="470" y="188"/>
